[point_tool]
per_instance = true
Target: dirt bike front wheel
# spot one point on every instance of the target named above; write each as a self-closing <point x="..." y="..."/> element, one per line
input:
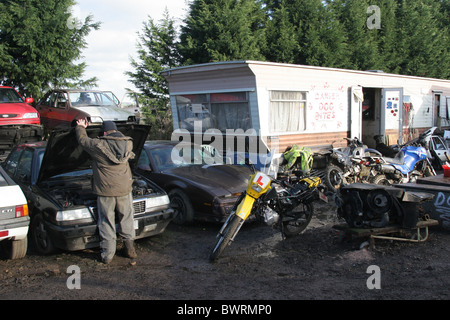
<point x="297" y="221"/>
<point x="225" y="237"/>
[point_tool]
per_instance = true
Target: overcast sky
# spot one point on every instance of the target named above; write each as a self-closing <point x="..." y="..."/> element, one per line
<point x="109" y="48"/>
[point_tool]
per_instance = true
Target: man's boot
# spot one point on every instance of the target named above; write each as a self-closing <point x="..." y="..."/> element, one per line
<point x="130" y="252"/>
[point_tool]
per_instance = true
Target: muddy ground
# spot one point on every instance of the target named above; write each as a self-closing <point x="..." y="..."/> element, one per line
<point x="259" y="265"/>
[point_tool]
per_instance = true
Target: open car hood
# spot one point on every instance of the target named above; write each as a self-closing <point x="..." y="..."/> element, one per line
<point x="63" y="153"/>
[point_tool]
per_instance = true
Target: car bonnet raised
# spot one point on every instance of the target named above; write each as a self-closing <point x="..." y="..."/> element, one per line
<point x="63" y="153"/>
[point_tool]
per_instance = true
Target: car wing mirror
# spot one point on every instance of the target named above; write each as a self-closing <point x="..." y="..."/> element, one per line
<point x="28" y="100"/>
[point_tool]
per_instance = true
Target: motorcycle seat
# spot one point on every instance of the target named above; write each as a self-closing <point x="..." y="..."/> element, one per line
<point x="399" y="159"/>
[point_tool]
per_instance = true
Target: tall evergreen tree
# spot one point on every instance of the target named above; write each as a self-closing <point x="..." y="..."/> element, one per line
<point x="282" y="44"/>
<point x="323" y="36"/>
<point x="305" y="32"/>
<point x="424" y="38"/>
<point x="223" y="30"/>
<point x="157" y="51"/>
<point x="40" y="44"/>
<point x="412" y="37"/>
<point x="388" y="37"/>
<point x="445" y="34"/>
<point x="362" y="41"/>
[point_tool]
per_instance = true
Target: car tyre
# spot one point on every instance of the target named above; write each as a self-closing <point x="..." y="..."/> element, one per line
<point x="40" y="237"/>
<point x="179" y="201"/>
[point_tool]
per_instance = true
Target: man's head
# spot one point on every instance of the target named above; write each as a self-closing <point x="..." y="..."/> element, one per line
<point x="108" y="126"/>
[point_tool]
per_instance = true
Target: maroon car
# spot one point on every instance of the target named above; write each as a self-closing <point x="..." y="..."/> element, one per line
<point x="199" y="187"/>
<point x="60" y="108"/>
<point x="19" y="122"/>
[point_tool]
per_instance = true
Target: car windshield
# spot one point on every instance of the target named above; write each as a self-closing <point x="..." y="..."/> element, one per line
<point x="8" y="95"/>
<point x="169" y="157"/>
<point x="90" y="98"/>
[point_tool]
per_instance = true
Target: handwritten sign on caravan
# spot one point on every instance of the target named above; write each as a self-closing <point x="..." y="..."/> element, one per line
<point x="328" y="108"/>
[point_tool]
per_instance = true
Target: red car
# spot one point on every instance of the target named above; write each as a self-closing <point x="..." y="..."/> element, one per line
<point x="19" y="122"/>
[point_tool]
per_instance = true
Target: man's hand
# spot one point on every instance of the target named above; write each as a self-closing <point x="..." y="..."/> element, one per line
<point x="82" y="122"/>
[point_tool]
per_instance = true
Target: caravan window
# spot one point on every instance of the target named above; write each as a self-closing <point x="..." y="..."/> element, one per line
<point x="193" y="109"/>
<point x="228" y="110"/>
<point x="287" y="111"/>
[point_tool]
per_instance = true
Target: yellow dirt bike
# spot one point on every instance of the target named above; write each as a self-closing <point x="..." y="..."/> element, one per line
<point x="283" y="204"/>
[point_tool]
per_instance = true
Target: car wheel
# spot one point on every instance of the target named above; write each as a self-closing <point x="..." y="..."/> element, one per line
<point x="179" y="201"/>
<point x="40" y="237"/>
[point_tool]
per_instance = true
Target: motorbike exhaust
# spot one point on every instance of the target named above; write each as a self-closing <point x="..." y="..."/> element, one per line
<point x="387" y="168"/>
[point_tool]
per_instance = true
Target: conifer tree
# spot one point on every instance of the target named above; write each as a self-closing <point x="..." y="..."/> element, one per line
<point x="305" y="32"/>
<point x="157" y="51"/>
<point x="40" y="43"/>
<point x="362" y="41"/>
<point x="424" y="38"/>
<point x="223" y="30"/>
<point x="323" y="36"/>
<point x="282" y="44"/>
<point x="388" y="37"/>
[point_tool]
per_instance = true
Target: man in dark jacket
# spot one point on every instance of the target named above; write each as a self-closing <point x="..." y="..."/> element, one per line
<point x="112" y="183"/>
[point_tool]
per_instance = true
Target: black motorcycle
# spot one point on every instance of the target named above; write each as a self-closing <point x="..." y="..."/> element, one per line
<point x="348" y="165"/>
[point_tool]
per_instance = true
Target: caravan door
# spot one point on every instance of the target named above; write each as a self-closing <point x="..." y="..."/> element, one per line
<point x="356" y="100"/>
<point x="392" y="112"/>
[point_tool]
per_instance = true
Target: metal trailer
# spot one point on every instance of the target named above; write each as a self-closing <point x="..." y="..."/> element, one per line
<point x="419" y="233"/>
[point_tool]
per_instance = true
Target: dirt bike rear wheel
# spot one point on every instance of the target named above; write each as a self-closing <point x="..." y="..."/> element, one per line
<point x="303" y="214"/>
<point x="225" y="237"/>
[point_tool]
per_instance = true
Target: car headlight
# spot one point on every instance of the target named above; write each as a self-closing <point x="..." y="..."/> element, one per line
<point x="30" y="115"/>
<point x="156" y="202"/>
<point x="74" y="214"/>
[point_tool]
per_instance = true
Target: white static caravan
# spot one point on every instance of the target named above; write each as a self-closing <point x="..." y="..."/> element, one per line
<point x="309" y="106"/>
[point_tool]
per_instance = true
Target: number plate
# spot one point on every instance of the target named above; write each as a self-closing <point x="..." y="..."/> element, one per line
<point x="323" y="197"/>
